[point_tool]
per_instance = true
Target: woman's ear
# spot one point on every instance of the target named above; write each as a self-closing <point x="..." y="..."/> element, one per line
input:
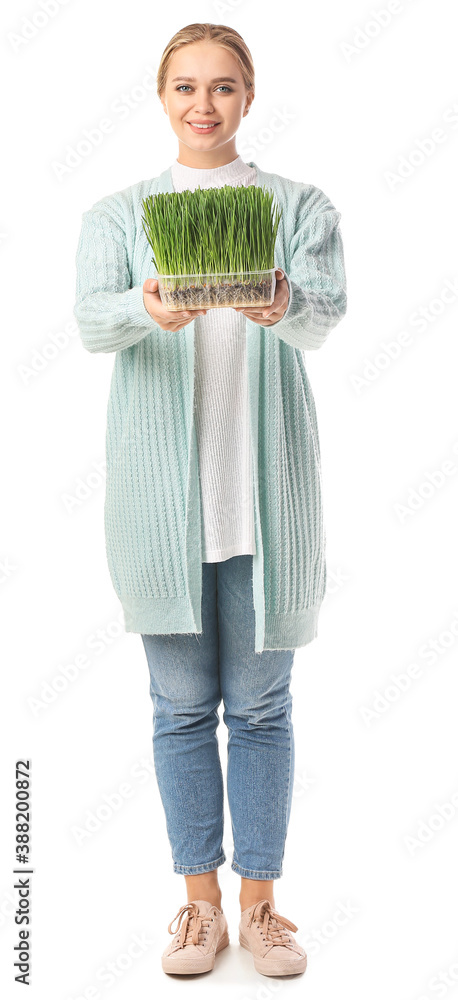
<point x="249" y="100"/>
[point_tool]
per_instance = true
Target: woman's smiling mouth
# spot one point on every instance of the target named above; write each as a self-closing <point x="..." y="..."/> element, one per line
<point x="203" y="129"/>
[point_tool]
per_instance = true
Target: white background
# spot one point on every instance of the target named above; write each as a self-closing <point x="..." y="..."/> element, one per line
<point x="370" y="870"/>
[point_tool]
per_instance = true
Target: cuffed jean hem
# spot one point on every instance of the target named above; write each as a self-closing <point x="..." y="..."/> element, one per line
<point x="251" y="873"/>
<point x="199" y="869"/>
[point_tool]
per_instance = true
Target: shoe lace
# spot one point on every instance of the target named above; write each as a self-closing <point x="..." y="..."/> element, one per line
<point x="193" y="925"/>
<point x="274" y="927"/>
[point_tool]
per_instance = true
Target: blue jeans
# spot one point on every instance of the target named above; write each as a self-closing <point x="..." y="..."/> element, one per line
<point x="189" y="675"/>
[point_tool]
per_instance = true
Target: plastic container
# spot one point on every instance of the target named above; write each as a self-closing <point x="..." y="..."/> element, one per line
<point x="217" y="291"/>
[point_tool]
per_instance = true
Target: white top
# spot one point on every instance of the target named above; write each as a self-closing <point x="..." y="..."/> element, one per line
<point x="221" y="402"/>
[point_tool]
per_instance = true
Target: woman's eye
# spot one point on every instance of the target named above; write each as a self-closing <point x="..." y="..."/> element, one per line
<point x="222" y="87"/>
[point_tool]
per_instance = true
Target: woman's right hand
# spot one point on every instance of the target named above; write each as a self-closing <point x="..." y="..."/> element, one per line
<point x="166" y="318"/>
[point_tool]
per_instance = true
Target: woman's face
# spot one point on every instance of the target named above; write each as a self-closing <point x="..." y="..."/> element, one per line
<point x="216" y="93"/>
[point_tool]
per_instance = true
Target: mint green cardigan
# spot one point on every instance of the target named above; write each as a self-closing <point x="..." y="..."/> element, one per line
<point x="152" y="501"/>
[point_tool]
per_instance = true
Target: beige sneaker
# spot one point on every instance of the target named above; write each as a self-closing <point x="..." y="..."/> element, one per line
<point x="203" y="934"/>
<point x="266" y="934"/>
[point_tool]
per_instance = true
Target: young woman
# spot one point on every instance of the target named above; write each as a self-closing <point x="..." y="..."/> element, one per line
<point x="213" y="509"/>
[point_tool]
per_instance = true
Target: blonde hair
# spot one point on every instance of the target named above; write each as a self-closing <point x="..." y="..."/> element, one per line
<point x="222" y="35"/>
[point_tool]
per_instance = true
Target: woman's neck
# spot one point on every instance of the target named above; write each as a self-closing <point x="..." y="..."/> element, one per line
<point x="207" y="159"/>
<point x="234" y="166"/>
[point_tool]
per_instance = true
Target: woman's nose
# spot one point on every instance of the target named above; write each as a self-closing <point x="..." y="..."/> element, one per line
<point x="203" y="101"/>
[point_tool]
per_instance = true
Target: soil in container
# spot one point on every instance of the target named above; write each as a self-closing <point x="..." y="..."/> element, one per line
<point x="218" y="296"/>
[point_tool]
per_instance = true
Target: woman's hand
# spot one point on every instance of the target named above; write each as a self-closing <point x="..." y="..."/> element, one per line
<point x="167" y="319"/>
<point x="275" y="311"/>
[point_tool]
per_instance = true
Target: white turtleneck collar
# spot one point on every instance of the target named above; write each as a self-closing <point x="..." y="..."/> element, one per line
<point x="235" y="172"/>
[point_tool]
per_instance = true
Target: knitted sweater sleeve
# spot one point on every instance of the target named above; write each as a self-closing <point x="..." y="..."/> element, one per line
<point x="110" y="313"/>
<point x="316" y="279"/>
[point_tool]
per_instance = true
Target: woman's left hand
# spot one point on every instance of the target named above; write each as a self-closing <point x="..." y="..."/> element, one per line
<point x="267" y="315"/>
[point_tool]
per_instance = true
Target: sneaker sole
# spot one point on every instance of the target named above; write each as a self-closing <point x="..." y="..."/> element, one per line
<point x="275" y="967"/>
<point x="188" y="966"/>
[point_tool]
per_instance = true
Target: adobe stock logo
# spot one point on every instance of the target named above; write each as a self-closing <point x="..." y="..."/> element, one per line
<point x="371" y="29"/>
<point x="433" y="480"/>
<point x="35" y="23"/>
<point x="120" y="108"/>
<point x="429" y="828"/>
<point x="421" y="318"/>
<point x="425" y="147"/>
